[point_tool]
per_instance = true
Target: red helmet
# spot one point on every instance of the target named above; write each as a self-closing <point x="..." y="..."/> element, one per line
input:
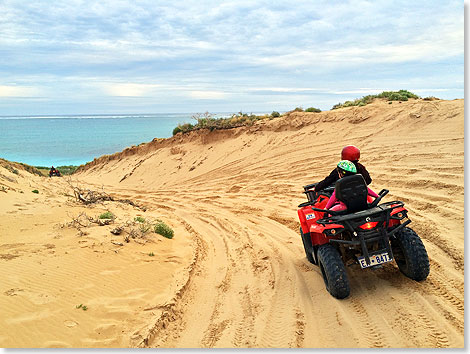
<point x="350" y="153"/>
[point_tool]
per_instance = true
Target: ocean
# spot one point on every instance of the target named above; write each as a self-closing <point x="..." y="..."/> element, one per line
<point x="77" y="139"/>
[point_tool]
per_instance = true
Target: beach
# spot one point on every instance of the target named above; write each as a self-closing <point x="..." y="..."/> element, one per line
<point x="235" y="274"/>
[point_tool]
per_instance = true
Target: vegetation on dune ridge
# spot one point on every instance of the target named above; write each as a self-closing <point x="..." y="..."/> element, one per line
<point x="313" y="109"/>
<point x="64" y="170"/>
<point x="401" y="95"/>
<point x="209" y="121"/>
<point x="67" y="170"/>
<point x="36" y="170"/>
<point x="14" y="166"/>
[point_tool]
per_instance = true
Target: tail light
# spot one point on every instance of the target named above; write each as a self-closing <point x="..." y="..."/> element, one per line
<point x="369" y="225"/>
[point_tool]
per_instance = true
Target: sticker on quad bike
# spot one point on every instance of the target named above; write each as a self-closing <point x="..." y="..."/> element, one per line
<point x="309" y="216"/>
<point x="375" y="259"/>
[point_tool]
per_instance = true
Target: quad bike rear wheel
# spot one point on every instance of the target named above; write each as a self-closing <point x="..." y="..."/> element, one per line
<point x="333" y="271"/>
<point x="307" y="247"/>
<point x="410" y="254"/>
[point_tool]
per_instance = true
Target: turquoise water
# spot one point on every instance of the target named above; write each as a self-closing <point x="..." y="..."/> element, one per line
<point x="75" y="140"/>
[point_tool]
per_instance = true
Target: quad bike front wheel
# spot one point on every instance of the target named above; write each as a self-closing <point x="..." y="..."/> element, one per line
<point x="333" y="271"/>
<point x="410" y="254"/>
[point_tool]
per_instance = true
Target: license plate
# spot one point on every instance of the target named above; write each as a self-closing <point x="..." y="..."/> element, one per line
<point x="375" y="259"/>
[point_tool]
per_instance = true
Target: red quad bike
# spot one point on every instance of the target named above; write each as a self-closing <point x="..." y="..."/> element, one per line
<point x="367" y="234"/>
<point x="54" y="173"/>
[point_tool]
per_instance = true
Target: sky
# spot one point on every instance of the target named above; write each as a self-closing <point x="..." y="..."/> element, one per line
<point x="115" y="56"/>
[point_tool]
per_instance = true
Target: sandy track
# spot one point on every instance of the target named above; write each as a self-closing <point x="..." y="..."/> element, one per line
<point x="236" y="194"/>
<point x="252" y="287"/>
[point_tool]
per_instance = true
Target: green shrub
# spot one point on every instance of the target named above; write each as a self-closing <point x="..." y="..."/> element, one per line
<point x="35" y="191"/>
<point x="313" y="109"/>
<point x="183" y="128"/>
<point x="177" y="130"/>
<point x="395" y="96"/>
<point x="275" y="114"/>
<point x="298" y="109"/>
<point x="163" y="229"/>
<point x="401" y="95"/>
<point x="408" y="94"/>
<point x="139" y="219"/>
<point x="67" y="170"/>
<point x="107" y="215"/>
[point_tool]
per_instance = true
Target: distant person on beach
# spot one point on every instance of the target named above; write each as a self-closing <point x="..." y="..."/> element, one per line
<point x="343" y="169"/>
<point x="54" y="172"/>
<point x="350" y="153"/>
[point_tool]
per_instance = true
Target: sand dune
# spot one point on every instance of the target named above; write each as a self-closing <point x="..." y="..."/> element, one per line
<point x="49" y="269"/>
<point x="235" y="274"/>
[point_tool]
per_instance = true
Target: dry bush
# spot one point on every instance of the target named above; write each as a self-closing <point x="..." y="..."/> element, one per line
<point x="83" y="221"/>
<point x="89" y="197"/>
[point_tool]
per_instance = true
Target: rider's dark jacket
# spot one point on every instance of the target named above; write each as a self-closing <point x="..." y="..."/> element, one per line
<point x="333" y="177"/>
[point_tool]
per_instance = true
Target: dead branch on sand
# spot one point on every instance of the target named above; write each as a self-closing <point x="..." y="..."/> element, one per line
<point x="88" y="196"/>
<point x="84" y="221"/>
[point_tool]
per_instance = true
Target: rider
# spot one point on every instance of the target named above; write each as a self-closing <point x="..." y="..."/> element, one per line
<point x="350" y="153"/>
<point x="343" y="169"/>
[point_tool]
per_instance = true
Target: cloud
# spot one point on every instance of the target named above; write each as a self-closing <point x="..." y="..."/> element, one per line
<point x="238" y="32"/>
<point x="129" y="89"/>
<point x="232" y="51"/>
<point x="18" y="91"/>
<point x="285" y="89"/>
<point x="450" y="44"/>
<point x="206" y="95"/>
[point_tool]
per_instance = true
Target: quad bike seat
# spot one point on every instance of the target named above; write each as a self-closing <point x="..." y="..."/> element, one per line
<point x="352" y="191"/>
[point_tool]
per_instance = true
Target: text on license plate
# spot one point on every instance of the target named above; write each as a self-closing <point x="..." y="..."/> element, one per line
<point x="374" y="260"/>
